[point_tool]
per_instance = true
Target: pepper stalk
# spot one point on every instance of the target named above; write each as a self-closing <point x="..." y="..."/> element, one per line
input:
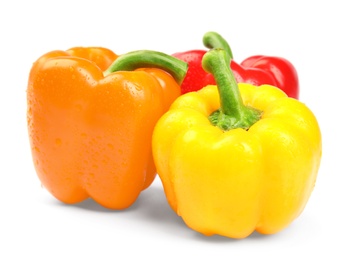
<point x="150" y="59"/>
<point x="232" y="113"/>
<point x="213" y="40"/>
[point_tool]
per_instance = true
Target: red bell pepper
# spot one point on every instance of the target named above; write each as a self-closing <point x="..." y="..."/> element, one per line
<point x="256" y="70"/>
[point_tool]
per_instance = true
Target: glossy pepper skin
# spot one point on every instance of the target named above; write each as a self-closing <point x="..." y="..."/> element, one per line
<point x="256" y="70"/>
<point x="282" y="71"/>
<point x="90" y="128"/>
<point x="102" y="57"/>
<point x="235" y="158"/>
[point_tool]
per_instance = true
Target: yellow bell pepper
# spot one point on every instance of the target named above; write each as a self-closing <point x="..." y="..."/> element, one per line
<point x="235" y="158"/>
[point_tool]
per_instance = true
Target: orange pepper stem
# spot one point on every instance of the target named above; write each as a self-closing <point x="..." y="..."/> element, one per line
<point x="150" y="59"/>
<point x="232" y="113"/>
<point x="213" y="40"/>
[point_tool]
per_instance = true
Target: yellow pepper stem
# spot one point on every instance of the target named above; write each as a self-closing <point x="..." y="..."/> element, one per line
<point x="232" y="113"/>
<point x="214" y="40"/>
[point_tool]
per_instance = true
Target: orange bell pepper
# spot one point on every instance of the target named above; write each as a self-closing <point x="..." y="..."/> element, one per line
<point x="90" y="126"/>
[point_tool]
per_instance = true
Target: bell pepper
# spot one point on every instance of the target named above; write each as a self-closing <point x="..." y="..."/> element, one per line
<point x="234" y="158"/>
<point x="256" y="70"/>
<point x="90" y="128"/>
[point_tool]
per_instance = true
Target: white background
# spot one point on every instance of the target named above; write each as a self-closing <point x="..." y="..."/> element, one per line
<point x="314" y="35"/>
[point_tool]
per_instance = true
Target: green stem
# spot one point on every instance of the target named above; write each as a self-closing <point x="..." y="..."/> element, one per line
<point x="150" y="59"/>
<point x="213" y="40"/>
<point x="232" y="113"/>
